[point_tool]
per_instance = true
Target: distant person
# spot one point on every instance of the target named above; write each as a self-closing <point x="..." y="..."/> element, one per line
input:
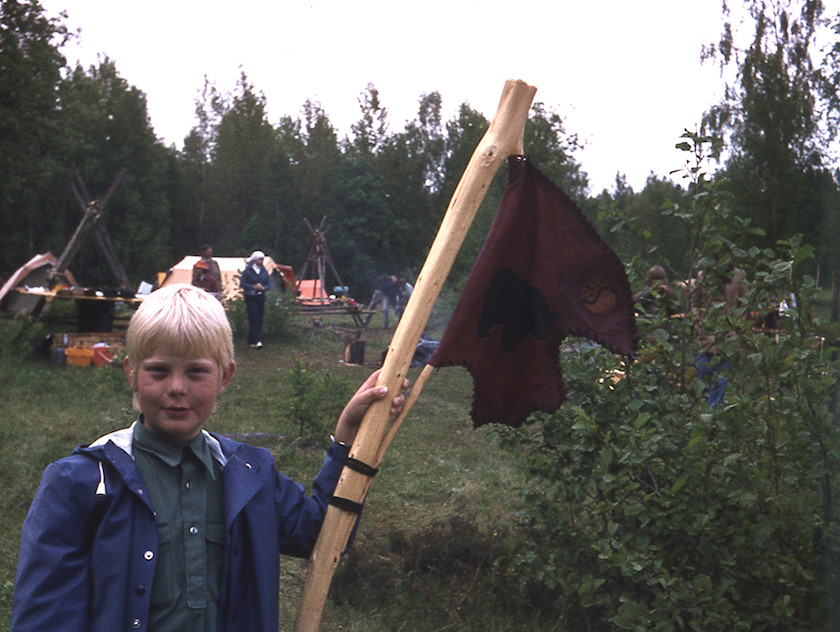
<point x="716" y="292"/>
<point x="254" y="282"/>
<point x="163" y="525"/>
<point x="206" y="273"/>
<point x="404" y="290"/>
<point x="657" y="299"/>
<point x="384" y="294"/>
<point x="205" y="280"/>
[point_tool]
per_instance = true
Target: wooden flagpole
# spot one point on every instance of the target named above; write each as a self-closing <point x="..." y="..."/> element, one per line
<point x="502" y="139"/>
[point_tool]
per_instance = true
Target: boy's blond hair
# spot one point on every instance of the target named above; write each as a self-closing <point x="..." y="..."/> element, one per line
<point x="182" y="320"/>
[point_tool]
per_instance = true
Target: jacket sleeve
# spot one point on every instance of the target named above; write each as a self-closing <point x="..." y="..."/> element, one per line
<point x="300" y="515"/>
<point x="247" y="278"/>
<point x="51" y="587"/>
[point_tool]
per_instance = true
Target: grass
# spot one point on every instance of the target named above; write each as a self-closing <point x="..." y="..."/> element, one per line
<point x="436" y="517"/>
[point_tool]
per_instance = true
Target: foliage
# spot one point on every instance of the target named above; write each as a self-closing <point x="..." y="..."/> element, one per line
<point x="462" y="136"/>
<point x="31" y="147"/>
<point x="779" y="115"/>
<point x="642" y="225"/>
<point x="648" y="508"/>
<point x="19" y="339"/>
<point x="107" y="125"/>
<point x="363" y="216"/>
<point x="314" y="399"/>
<point x="371" y="132"/>
<point x="550" y="146"/>
<point x="276" y="318"/>
<point x="240" y="172"/>
<point x="243" y="181"/>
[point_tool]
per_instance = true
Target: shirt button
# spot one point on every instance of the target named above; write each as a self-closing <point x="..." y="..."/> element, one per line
<point x="188" y="485"/>
<point x="140" y="590"/>
<point x="148" y="555"/>
<point x="193" y="530"/>
<point x="135" y="624"/>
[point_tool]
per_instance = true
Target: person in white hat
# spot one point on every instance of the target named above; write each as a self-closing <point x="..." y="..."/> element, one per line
<point x="254" y="283"/>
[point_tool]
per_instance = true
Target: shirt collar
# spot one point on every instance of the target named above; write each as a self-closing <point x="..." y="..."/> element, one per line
<point x="171" y="452"/>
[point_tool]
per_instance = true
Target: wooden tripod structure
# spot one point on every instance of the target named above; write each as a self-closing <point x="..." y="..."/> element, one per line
<point x="319" y="258"/>
<point x="92" y="219"/>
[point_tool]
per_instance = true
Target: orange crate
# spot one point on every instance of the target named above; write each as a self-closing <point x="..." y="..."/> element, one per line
<point x="78" y="356"/>
<point x="114" y="339"/>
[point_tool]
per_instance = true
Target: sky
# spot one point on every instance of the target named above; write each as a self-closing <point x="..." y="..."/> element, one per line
<point x="626" y="77"/>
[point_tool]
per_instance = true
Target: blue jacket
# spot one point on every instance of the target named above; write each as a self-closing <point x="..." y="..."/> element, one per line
<point x="89" y="542"/>
<point x="251" y="277"/>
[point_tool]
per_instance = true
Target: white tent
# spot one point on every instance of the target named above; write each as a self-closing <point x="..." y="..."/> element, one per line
<point x="230" y="267"/>
<point x="35" y="272"/>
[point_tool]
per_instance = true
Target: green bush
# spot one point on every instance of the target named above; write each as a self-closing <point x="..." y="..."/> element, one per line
<point x="20" y="338"/>
<point x="648" y="509"/>
<point x="276" y="319"/>
<point x="314" y="399"/>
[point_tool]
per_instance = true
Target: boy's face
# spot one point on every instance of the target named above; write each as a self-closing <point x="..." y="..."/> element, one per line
<point x="176" y="394"/>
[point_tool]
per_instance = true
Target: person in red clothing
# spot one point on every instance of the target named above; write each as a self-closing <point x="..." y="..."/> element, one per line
<point x="204" y="279"/>
<point x="206" y="273"/>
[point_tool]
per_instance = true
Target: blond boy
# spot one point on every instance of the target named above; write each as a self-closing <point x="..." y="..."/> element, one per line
<point x="164" y="526"/>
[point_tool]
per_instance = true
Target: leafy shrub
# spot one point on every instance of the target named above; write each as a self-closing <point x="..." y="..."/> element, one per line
<point x="276" y="319"/>
<point x="314" y="399"/>
<point x="22" y="337"/>
<point x="649" y="509"/>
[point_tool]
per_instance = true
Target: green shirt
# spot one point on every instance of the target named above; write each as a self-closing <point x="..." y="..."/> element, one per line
<point x="185" y="490"/>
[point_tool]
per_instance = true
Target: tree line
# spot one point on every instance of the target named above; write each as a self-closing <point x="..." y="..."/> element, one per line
<point x="240" y="182"/>
<point x="243" y="182"/>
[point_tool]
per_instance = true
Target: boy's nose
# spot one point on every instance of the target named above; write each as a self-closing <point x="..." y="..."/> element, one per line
<point x="177" y="384"/>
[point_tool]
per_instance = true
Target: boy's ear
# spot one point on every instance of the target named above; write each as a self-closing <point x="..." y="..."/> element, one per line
<point x="227" y="375"/>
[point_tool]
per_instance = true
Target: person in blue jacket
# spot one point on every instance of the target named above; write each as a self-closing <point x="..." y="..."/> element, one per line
<point x="254" y="282"/>
<point x="165" y="526"/>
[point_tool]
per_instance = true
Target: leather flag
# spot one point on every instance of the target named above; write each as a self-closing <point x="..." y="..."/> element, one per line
<point x="543" y="274"/>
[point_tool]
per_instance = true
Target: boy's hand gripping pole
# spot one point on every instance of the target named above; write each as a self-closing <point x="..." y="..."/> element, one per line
<point x="502" y="139"/>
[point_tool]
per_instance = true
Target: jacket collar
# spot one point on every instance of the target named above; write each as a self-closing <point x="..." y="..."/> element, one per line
<point x="241" y="476"/>
<point x="123" y="439"/>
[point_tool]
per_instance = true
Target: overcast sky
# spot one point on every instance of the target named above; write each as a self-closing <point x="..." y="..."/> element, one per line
<point x="625" y="76"/>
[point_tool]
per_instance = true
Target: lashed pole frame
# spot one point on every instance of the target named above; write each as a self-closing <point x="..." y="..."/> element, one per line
<point x="502" y="139"/>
